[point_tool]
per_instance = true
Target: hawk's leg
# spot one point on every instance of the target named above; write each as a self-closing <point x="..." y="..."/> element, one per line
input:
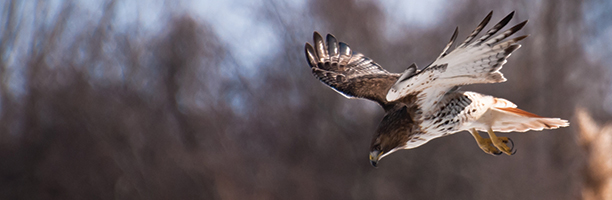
<point x="500" y="143"/>
<point x="484" y="143"/>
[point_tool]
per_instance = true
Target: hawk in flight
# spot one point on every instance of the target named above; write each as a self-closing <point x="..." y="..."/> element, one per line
<point x="421" y="105"/>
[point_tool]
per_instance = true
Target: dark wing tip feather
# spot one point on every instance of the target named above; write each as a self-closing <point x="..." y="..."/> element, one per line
<point x="319" y="45"/>
<point x="508" y="17"/>
<point x="502" y="23"/>
<point x="316" y="37"/>
<point x="332" y="45"/>
<point x="488" y="16"/>
<point x="496" y="28"/>
<point x="477" y="30"/>
<point x="507" y="34"/>
<point x="485" y="21"/>
<point x="511" y="48"/>
<point x="519" y="38"/>
<point x="450" y="43"/>
<point x="515" y="28"/>
<point x="345" y="49"/>
<point x="310" y="55"/>
<point x="454" y="37"/>
<point x="518" y="27"/>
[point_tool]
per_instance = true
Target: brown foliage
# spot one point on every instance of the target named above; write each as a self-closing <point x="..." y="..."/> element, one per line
<point x="596" y="142"/>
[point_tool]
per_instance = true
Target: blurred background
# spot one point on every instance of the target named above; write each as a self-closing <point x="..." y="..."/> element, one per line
<point x="214" y="100"/>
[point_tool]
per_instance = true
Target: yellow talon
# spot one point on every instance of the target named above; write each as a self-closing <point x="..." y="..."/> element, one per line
<point x="500" y="142"/>
<point x="484" y="143"/>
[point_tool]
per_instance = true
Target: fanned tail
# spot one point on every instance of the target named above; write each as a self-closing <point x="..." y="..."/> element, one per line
<point x="510" y="119"/>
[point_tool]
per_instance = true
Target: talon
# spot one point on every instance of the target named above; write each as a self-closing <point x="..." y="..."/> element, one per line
<point x="513" y="152"/>
<point x="488" y="147"/>
<point x="502" y="147"/>
<point x="500" y="142"/>
<point x="486" y="144"/>
<point x="512" y="143"/>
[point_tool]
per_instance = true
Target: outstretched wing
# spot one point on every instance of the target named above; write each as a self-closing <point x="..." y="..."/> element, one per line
<point x="351" y="74"/>
<point x="473" y="61"/>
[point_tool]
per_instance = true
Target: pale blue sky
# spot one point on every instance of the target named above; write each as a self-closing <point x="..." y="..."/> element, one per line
<point x="237" y="24"/>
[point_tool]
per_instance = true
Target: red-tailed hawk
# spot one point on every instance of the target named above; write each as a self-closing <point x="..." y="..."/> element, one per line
<point x="421" y="105"/>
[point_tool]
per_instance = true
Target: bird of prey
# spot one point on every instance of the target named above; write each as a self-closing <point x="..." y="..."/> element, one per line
<point x="421" y="105"/>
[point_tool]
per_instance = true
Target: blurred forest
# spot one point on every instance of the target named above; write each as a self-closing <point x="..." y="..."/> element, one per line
<point x="92" y="111"/>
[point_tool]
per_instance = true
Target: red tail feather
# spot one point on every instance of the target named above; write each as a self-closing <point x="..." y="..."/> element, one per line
<point x="519" y="112"/>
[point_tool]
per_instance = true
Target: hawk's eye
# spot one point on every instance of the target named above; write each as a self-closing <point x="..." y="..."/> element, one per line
<point x="377" y="147"/>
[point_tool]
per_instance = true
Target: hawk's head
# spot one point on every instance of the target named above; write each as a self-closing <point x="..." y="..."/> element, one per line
<point x="392" y="134"/>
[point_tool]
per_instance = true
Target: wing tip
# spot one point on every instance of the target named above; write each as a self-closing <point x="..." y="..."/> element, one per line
<point x="510" y="15"/>
<point x="332" y="43"/>
<point x="520" y="26"/>
<point x="454" y="35"/>
<point x="519" y="38"/>
<point x="310" y="55"/>
<point x="316" y="34"/>
<point x="486" y="20"/>
<point x="345" y="49"/>
<point x="511" y="48"/>
<point x="504" y="21"/>
<point x="515" y="28"/>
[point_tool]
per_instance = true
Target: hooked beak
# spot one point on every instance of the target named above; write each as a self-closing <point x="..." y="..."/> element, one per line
<point x="375" y="157"/>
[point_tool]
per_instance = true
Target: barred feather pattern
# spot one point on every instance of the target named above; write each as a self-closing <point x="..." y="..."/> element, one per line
<point x="351" y="74"/>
